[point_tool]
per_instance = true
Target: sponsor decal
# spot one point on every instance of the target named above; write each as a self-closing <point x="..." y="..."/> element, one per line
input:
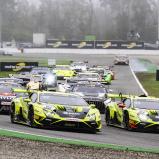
<point x="82" y="44"/>
<point x="131" y="45"/>
<point x="57" y="44"/>
<point x="18" y="66"/>
<point x="107" y="45"/>
<point x="5" y="103"/>
<point x="73" y="119"/>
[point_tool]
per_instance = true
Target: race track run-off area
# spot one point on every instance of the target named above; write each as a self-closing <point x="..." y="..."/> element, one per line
<point x="124" y="82"/>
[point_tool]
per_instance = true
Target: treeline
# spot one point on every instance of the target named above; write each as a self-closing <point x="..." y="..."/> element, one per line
<point x="73" y="19"/>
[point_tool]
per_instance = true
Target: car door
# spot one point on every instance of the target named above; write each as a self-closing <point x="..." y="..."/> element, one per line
<point x="33" y="97"/>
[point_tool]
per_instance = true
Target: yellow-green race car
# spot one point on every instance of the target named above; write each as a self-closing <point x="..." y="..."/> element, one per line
<point x="64" y="71"/>
<point x="54" y="109"/>
<point x="132" y="112"/>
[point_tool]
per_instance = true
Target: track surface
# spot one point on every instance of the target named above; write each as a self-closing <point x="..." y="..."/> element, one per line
<point x="110" y="135"/>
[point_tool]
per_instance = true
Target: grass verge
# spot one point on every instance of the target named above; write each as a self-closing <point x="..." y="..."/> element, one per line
<point x="9" y="133"/>
<point x="148" y="80"/>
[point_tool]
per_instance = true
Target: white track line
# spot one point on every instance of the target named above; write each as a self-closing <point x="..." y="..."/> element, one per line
<point x="138" y="82"/>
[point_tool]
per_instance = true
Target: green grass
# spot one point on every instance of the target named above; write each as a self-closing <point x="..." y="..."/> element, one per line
<point x="9" y="133"/>
<point x="151" y="68"/>
<point x="148" y="80"/>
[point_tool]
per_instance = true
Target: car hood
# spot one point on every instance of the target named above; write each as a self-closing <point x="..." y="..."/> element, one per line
<point x="69" y="108"/>
<point x="67" y="111"/>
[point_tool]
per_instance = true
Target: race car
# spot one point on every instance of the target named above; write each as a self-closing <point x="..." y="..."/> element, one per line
<point x="40" y="70"/>
<point x="79" y="66"/>
<point x="133" y="112"/>
<point x="121" y="60"/>
<point x="64" y="71"/>
<point x="93" y="93"/>
<point x="106" y="74"/>
<point x="6" y="95"/>
<point x="90" y="76"/>
<point x="54" y="109"/>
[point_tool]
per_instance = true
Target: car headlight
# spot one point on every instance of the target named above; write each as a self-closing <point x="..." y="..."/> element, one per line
<point x="48" y="108"/>
<point x="101" y="95"/>
<point x="143" y="117"/>
<point x="91" y="116"/>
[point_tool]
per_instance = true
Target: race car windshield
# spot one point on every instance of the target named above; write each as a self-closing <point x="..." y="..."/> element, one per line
<point x="62" y="68"/>
<point x="88" y="76"/>
<point x="97" y="70"/>
<point x="39" y="71"/>
<point x="78" y="64"/>
<point x="60" y="99"/>
<point x="147" y="104"/>
<point x="89" y="89"/>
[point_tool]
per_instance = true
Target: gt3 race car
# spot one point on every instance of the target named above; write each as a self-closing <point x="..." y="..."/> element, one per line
<point x="93" y="94"/>
<point x="64" y="71"/>
<point x="79" y="66"/>
<point x="55" y="109"/>
<point x="133" y="113"/>
<point x="121" y="60"/>
<point x="6" y="95"/>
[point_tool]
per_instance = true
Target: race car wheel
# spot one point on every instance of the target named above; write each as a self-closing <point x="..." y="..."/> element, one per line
<point x="12" y="113"/>
<point x="107" y="117"/>
<point x="126" y="122"/>
<point x="31" y="116"/>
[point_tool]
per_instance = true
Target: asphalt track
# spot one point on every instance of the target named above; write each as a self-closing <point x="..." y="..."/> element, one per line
<point x="124" y="82"/>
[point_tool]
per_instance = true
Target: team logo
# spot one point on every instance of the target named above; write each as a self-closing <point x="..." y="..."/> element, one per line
<point x="82" y="44"/>
<point x="57" y="44"/>
<point x="131" y="45"/>
<point x="19" y="66"/>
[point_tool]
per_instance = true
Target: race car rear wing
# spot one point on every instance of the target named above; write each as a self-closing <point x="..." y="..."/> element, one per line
<point x="120" y="95"/>
<point x="16" y="90"/>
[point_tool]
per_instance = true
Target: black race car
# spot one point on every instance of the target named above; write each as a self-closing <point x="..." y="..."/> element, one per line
<point x="92" y="93"/>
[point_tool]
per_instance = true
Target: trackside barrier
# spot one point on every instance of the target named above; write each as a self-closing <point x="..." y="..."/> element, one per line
<point x="100" y="44"/>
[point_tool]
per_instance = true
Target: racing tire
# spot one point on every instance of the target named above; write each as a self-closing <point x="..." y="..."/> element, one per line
<point x="126" y="121"/>
<point x="12" y="113"/>
<point x="107" y="117"/>
<point x="31" y="117"/>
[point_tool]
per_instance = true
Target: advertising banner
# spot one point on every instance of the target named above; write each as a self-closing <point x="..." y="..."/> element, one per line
<point x="82" y="44"/>
<point x="119" y="45"/>
<point x="131" y="45"/>
<point x="17" y="66"/>
<point x="58" y="44"/>
<point x="107" y="45"/>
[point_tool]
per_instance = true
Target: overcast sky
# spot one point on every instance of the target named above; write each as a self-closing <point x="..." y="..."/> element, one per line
<point x="33" y="1"/>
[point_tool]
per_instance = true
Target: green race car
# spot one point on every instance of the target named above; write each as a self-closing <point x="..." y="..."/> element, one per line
<point x="54" y="109"/>
<point x="132" y="112"/>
